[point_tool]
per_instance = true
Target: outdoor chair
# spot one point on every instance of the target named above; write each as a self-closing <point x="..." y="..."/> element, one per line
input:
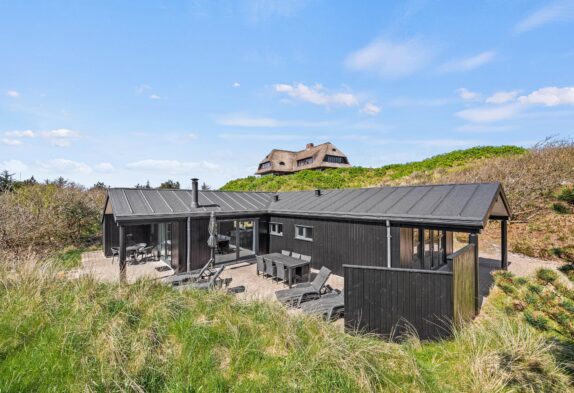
<point x="115" y="253"/>
<point x="305" y="291"/>
<point x="213" y="282"/>
<point x="269" y="268"/>
<point x="285" y="252"/>
<point x="280" y="272"/>
<point x="296" y="255"/>
<point x="145" y="253"/>
<point x="184" y="278"/>
<point x="306" y="258"/>
<point x="260" y="265"/>
<point x="330" y="306"/>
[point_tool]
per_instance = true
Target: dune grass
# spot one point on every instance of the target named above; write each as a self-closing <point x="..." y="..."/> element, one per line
<point x="81" y="335"/>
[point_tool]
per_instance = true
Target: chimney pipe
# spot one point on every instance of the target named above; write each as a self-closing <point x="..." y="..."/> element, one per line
<point x="318" y="192"/>
<point x="309" y="146"/>
<point x="276" y="198"/>
<point x="194" y="193"/>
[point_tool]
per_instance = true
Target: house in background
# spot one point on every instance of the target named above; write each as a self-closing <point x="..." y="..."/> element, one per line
<point x="393" y="245"/>
<point x="282" y="162"/>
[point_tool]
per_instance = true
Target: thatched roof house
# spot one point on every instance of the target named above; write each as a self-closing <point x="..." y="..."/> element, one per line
<point x="281" y="162"/>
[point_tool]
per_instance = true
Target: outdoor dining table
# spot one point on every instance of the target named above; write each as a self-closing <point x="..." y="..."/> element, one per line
<point x="290" y="264"/>
<point x="132" y="250"/>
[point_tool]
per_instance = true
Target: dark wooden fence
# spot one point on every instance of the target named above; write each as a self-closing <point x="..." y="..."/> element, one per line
<point x="392" y="301"/>
<point x="463" y="283"/>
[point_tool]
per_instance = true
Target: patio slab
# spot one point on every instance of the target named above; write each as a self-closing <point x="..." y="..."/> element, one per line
<point x="101" y="268"/>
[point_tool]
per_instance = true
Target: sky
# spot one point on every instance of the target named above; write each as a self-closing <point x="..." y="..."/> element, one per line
<point x="126" y="92"/>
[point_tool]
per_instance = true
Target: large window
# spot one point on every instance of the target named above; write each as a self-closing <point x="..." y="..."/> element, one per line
<point x="276" y="228"/>
<point x="335" y="159"/>
<point x="303" y="233"/>
<point x="305" y="161"/>
<point x="265" y="165"/>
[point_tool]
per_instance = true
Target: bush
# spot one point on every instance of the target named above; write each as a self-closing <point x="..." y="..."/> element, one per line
<point x="560" y="208"/>
<point x="566" y="194"/>
<point x="547" y="275"/>
<point x="536" y="319"/>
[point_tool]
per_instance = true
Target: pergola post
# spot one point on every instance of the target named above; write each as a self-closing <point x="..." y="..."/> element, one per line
<point x="123" y="276"/>
<point x="504" y="244"/>
<point x="473" y="239"/>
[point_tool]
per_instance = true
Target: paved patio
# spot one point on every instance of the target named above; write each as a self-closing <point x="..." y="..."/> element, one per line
<point x="101" y="268"/>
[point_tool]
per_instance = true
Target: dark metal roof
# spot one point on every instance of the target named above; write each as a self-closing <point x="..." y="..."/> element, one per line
<point x="460" y="205"/>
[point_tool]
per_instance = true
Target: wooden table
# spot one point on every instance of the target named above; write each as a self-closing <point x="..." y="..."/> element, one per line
<point x="290" y="263"/>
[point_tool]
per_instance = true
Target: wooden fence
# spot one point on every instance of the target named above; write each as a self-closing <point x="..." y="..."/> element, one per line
<point x="464" y="283"/>
<point x="393" y="301"/>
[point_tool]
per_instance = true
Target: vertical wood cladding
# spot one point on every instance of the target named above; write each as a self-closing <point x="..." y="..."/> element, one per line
<point x="200" y="251"/>
<point x="334" y="242"/>
<point x="111" y="234"/>
<point x="387" y="301"/>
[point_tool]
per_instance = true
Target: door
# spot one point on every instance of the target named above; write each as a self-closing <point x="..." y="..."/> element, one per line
<point x="237" y="239"/>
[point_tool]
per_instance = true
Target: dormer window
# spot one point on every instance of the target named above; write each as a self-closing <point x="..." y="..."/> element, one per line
<point x="281" y="163"/>
<point x="265" y="165"/>
<point x="305" y="161"/>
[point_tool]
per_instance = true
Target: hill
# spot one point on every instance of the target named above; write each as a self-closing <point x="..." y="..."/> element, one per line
<point x="368" y="177"/>
<point x="539" y="183"/>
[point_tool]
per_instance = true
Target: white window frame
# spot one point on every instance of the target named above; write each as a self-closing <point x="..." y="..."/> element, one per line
<point x="303" y="237"/>
<point x="275" y="233"/>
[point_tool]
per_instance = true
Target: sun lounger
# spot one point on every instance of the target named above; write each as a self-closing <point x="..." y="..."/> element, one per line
<point x="183" y="278"/>
<point x="213" y="282"/>
<point x="330" y="306"/>
<point x="305" y="291"/>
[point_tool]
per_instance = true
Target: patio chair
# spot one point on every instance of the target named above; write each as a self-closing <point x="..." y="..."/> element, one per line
<point x="305" y="291"/>
<point x="306" y="258"/>
<point x="260" y="265"/>
<point x="296" y="255"/>
<point x="115" y="253"/>
<point x="280" y="272"/>
<point x="269" y="268"/>
<point x="183" y="278"/>
<point x="285" y="252"/>
<point x="213" y="282"/>
<point x="330" y="306"/>
<point x="145" y="253"/>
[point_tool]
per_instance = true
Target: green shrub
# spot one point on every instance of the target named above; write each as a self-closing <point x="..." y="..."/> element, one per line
<point x="566" y="194"/>
<point x="536" y="319"/>
<point x="547" y="275"/>
<point x="535" y="288"/>
<point x="506" y="287"/>
<point x="560" y="208"/>
<point x="568" y="305"/>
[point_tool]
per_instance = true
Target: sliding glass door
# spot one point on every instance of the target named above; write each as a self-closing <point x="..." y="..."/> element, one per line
<point x="164" y="241"/>
<point x="237" y="240"/>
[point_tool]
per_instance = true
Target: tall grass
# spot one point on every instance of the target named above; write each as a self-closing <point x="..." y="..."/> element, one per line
<point x="81" y="335"/>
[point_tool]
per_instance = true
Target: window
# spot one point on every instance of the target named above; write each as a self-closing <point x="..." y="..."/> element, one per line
<point x="435" y="249"/>
<point x="416" y="248"/>
<point x="335" y="159"/>
<point x="281" y="163"/>
<point x="303" y="233"/>
<point x="305" y="161"/>
<point x="427" y="249"/>
<point x="276" y="228"/>
<point x="265" y="165"/>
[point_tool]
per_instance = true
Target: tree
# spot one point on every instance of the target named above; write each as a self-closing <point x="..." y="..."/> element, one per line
<point x="170" y="184"/>
<point x="146" y="185"/>
<point x="6" y="181"/>
<point x="205" y="187"/>
<point x="99" y="186"/>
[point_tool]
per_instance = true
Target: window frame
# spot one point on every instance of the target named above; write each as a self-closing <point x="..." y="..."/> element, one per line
<point x="275" y="233"/>
<point x="303" y="237"/>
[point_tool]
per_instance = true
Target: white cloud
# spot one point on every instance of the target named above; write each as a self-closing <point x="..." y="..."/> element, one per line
<point x="11" y="142"/>
<point x="172" y="166"/>
<point x="502" y="97"/>
<point x="557" y="11"/>
<point x="60" y="133"/>
<point x="155" y="97"/>
<point x="104" y="167"/>
<point x="13" y="93"/>
<point x="236" y="84"/>
<point x="20" y="134"/>
<point x="468" y="63"/>
<point x="467" y="95"/>
<point x="317" y="95"/>
<point x="238" y="120"/>
<point x="484" y="128"/>
<point x="371" y="109"/>
<point x="488" y="114"/>
<point x="63" y="166"/>
<point x="60" y="142"/>
<point x="391" y="59"/>
<point x="13" y="166"/>
<point x="550" y="96"/>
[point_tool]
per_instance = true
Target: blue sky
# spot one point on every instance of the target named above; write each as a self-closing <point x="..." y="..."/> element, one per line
<point x="125" y="92"/>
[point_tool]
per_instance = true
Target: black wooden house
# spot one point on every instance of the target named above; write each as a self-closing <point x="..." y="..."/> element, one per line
<point x="393" y="245"/>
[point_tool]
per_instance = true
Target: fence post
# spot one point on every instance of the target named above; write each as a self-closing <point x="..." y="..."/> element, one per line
<point x="473" y="239"/>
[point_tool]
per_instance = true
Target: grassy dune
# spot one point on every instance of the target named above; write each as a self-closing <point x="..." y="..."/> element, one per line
<point x="80" y="335"/>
